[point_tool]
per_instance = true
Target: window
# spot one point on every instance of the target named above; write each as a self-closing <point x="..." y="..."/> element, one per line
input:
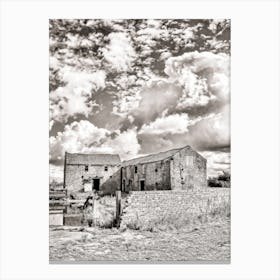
<point x="135" y="169"/>
<point x="189" y="161"/>
<point x="106" y="168"/>
<point x="86" y="167"/>
<point x="156" y="170"/>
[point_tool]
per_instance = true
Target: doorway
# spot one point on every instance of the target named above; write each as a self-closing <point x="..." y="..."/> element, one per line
<point x="142" y="185"/>
<point x="96" y="184"/>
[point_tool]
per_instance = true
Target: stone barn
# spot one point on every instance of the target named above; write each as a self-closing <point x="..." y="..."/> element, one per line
<point x="177" y="169"/>
<point x="87" y="172"/>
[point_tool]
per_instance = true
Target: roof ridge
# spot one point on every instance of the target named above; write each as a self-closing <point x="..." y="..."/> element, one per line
<point x="150" y="155"/>
<point x="92" y="154"/>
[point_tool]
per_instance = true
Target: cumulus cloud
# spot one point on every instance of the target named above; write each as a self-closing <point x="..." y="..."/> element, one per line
<point x="212" y="133"/>
<point x="164" y="125"/>
<point x="119" y="53"/>
<point x="76" y="96"/>
<point x="125" y="143"/>
<point x="204" y="77"/>
<point x="154" y="100"/>
<point x="80" y="136"/>
<point x="209" y="133"/>
<point x="85" y="137"/>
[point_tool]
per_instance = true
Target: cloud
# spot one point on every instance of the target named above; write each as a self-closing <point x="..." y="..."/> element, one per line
<point x="76" y="96"/>
<point x="85" y="137"/>
<point x="212" y="133"/>
<point x="51" y="123"/>
<point x="119" y="53"/>
<point x="196" y="83"/>
<point x="217" y="26"/>
<point x="125" y="143"/>
<point x="154" y="100"/>
<point x="217" y="162"/>
<point x="141" y="85"/>
<point x="80" y="136"/>
<point x="164" y="125"/>
<point x="209" y="133"/>
<point x="204" y="77"/>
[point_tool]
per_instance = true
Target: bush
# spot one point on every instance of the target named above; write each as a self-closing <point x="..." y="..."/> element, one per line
<point x="100" y="211"/>
<point x="222" y="181"/>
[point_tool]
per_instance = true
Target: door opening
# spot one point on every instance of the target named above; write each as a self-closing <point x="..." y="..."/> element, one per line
<point x="96" y="184"/>
<point x="142" y="185"/>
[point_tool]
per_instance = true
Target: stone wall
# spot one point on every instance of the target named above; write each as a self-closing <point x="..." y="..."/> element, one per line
<point x="77" y="178"/>
<point x="188" y="170"/>
<point x="156" y="206"/>
<point x="156" y="176"/>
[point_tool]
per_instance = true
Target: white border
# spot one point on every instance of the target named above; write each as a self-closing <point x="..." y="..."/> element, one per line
<point x="24" y="138"/>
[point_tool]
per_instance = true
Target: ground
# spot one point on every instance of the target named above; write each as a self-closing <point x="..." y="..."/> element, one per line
<point x="206" y="242"/>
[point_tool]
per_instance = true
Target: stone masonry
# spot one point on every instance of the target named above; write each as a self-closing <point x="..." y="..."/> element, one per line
<point x="152" y="206"/>
<point x="177" y="169"/>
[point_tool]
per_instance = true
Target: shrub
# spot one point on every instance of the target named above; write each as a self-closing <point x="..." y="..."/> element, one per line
<point x="99" y="211"/>
<point x="222" y="181"/>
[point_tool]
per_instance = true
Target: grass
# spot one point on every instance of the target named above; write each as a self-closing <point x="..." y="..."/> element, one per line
<point x="215" y="209"/>
<point x="208" y="242"/>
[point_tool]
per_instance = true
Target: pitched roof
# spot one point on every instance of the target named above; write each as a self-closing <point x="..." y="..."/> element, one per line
<point x="98" y="159"/>
<point x="152" y="158"/>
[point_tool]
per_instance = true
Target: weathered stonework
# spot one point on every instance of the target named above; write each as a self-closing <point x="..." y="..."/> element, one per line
<point x="156" y="176"/>
<point x="94" y="171"/>
<point x="188" y="170"/>
<point x="178" y="169"/>
<point x="152" y="206"/>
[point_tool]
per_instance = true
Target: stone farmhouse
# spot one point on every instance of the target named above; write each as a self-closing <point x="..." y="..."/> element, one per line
<point x="177" y="169"/>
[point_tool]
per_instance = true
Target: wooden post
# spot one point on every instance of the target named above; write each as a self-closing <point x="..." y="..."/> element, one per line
<point x="118" y="208"/>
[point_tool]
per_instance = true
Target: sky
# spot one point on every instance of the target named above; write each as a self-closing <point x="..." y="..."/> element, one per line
<point x="135" y="87"/>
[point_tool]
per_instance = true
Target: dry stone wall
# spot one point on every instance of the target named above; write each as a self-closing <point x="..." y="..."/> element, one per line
<point x="146" y="207"/>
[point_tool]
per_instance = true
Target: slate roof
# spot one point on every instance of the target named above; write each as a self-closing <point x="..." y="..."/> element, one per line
<point x="152" y="158"/>
<point x="88" y="159"/>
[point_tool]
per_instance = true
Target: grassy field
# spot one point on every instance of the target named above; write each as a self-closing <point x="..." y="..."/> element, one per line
<point x="206" y="242"/>
<point x="200" y="233"/>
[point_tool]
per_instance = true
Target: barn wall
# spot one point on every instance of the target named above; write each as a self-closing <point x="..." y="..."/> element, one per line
<point x="188" y="170"/>
<point x="76" y="176"/>
<point x="154" y="180"/>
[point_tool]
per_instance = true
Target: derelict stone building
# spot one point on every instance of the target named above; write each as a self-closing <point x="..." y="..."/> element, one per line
<point x="177" y="169"/>
<point x="87" y="172"/>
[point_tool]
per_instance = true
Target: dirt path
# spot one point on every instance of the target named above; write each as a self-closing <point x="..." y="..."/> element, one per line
<point x="208" y="242"/>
